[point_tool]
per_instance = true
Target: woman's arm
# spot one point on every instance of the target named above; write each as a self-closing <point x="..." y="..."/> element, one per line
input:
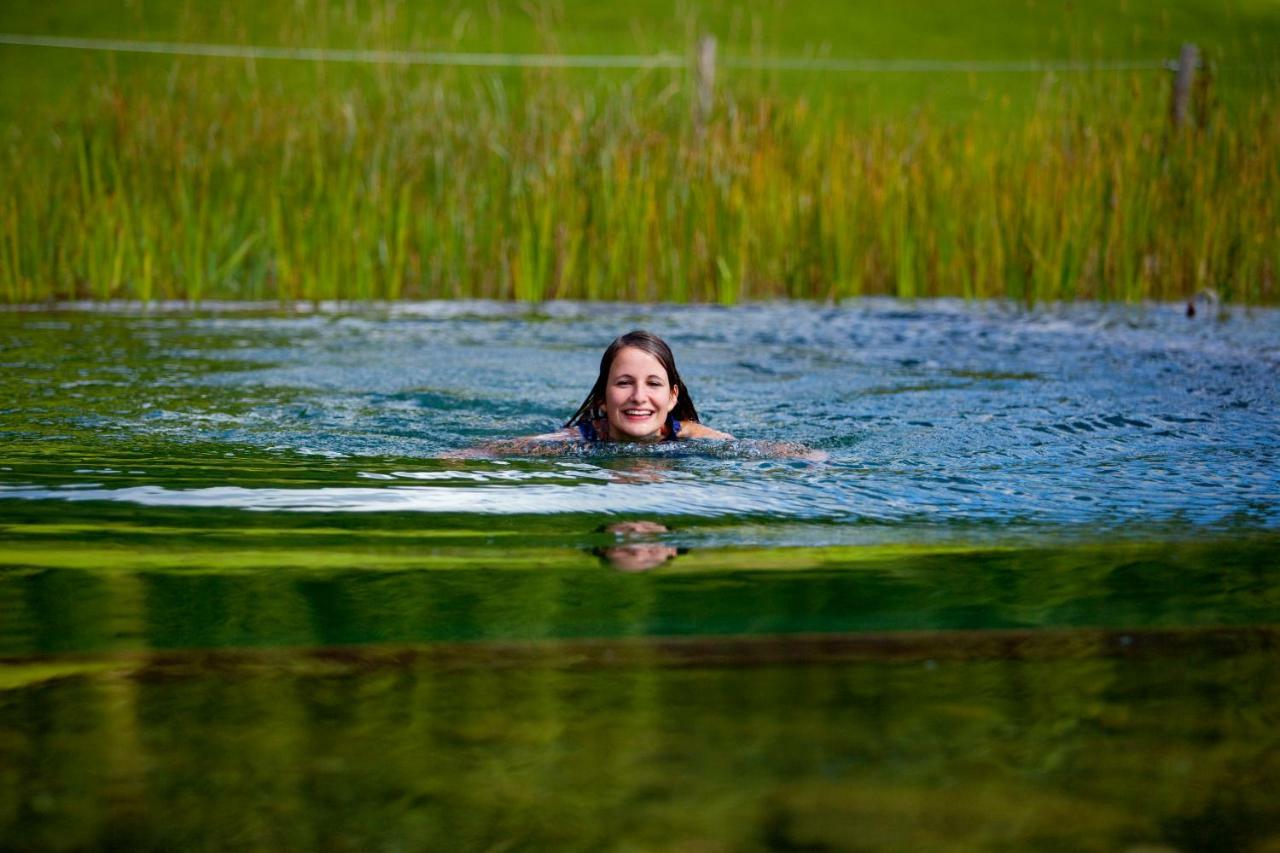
<point x="529" y="445"/>
<point x="693" y="429"/>
<point x="788" y="449"/>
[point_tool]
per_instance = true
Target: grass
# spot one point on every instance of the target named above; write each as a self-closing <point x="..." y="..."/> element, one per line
<point x="199" y="178"/>
<point x="1239" y="34"/>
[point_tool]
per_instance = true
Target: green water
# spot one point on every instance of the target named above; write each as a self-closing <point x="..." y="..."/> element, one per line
<point x="192" y="693"/>
<point x="1058" y="740"/>
<point x="134" y="598"/>
<point x="249" y="600"/>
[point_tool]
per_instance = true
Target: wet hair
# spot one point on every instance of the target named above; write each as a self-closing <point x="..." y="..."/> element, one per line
<point x="592" y="406"/>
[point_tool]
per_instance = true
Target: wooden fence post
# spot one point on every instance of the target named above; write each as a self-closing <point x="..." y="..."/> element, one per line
<point x="705" y="72"/>
<point x="1183" y="81"/>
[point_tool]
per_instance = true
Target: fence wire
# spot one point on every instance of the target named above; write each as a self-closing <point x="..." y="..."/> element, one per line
<point x="555" y="60"/>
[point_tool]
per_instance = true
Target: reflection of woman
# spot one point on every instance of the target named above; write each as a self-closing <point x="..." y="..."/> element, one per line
<point x="638" y="396"/>
<point x="635" y="548"/>
<point x="638" y="556"/>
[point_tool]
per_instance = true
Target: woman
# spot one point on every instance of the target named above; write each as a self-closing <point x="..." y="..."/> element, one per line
<point x="638" y="397"/>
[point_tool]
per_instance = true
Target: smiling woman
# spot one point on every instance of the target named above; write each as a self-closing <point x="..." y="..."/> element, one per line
<point x="638" y="396"/>
<point x="638" y="399"/>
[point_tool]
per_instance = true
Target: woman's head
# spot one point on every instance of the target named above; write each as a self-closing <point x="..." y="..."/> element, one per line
<point x="637" y="388"/>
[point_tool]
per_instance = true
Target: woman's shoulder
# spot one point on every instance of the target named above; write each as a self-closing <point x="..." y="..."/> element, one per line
<point x="572" y="433"/>
<point x="693" y="429"/>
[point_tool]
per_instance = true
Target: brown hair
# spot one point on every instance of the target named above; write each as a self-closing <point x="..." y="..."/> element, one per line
<point x="655" y="346"/>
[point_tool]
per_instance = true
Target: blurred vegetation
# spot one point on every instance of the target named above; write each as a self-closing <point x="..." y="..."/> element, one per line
<point x="1067" y="742"/>
<point x="164" y="178"/>
<point x="326" y="580"/>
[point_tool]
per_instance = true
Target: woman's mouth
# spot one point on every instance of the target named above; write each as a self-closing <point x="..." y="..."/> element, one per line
<point x="637" y="414"/>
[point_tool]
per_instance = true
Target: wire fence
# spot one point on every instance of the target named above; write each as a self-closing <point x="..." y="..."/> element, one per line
<point x="603" y="61"/>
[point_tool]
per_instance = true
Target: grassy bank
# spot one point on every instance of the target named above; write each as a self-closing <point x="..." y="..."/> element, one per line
<point x="438" y="190"/>
<point x="202" y="178"/>
<point x="1240" y="35"/>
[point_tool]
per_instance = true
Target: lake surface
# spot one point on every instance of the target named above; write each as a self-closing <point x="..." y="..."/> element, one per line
<point x="250" y="596"/>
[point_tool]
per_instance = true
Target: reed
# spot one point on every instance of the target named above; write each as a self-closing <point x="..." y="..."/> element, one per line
<point x="453" y="185"/>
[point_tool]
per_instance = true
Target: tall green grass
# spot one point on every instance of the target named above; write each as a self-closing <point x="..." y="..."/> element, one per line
<point x="455" y="185"/>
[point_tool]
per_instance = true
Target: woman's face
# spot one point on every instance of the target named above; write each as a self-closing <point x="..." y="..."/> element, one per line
<point x="638" y="396"/>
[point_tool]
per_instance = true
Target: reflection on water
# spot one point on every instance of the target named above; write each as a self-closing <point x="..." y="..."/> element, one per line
<point x="1083" y="741"/>
<point x="250" y="599"/>
<point x="637" y="548"/>
<point x="150" y="596"/>
<point x="638" y="556"/>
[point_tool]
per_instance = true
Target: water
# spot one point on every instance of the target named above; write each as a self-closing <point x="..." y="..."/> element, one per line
<point x="1029" y="599"/>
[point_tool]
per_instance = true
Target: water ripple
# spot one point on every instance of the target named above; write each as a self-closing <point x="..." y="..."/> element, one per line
<point x="936" y="413"/>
